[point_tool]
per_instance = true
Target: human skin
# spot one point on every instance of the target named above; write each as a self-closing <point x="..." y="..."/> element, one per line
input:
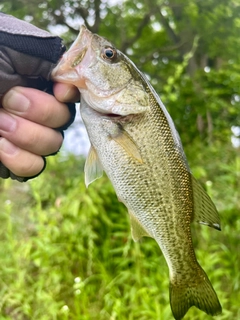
<point x="28" y="118"/>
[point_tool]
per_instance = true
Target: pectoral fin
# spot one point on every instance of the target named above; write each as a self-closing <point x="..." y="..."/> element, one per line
<point x="125" y="141"/>
<point x="93" y="168"/>
<point x="137" y="229"/>
<point x="205" y="211"/>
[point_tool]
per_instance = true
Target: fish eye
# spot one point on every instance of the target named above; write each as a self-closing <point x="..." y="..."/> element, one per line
<point x="109" y="53"/>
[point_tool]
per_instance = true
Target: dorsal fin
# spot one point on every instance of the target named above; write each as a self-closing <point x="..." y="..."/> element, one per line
<point x="205" y="211"/>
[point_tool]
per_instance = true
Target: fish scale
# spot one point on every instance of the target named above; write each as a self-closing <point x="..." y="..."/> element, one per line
<point x="133" y="139"/>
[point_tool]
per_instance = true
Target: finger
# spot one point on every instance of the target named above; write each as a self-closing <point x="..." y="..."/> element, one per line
<point x="36" y="106"/>
<point x="20" y="162"/>
<point x="28" y="135"/>
<point x="65" y="92"/>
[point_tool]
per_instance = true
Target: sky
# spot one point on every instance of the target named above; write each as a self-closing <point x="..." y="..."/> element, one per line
<point x="75" y="137"/>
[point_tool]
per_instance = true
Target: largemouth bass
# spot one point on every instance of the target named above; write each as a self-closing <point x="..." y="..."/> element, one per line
<point x="133" y="139"/>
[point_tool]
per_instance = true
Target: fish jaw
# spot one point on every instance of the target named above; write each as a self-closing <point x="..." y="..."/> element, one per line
<point x="70" y="68"/>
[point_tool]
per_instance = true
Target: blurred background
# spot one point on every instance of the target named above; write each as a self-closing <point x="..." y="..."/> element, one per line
<point x="66" y="251"/>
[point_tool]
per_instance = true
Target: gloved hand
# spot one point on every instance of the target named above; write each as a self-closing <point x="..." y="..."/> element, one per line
<point x="27" y="57"/>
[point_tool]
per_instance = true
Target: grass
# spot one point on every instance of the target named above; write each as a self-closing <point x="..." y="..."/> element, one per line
<point x="66" y="253"/>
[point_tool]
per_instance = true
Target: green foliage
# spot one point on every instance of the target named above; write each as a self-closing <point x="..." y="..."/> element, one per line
<point x="66" y="251"/>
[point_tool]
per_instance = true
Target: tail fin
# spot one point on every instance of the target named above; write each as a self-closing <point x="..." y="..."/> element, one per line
<point x="198" y="292"/>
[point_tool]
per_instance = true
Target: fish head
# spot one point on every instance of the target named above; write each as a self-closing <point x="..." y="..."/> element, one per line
<point x="108" y="81"/>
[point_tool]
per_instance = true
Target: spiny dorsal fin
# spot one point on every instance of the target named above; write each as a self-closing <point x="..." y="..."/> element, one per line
<point x="137" y="229"/>
<point x="205" y="211"/>
<point x="93" y="168"/>
<point x="125" y="141"/>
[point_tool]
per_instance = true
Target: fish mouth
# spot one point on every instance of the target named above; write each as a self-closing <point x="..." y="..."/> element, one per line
<point x="79" y="58"/>
<point x="79" y="46"/>
<point x="68" y="68"/>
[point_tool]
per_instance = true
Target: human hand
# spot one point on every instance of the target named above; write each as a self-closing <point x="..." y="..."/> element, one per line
<point x="27" y="128"/>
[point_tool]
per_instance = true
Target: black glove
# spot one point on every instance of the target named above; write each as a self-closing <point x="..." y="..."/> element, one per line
<point x="27" y="57"/>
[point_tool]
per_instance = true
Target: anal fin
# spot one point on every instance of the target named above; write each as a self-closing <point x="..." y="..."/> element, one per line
<point x="205" y="211"/>
<point x="93" y="169"/>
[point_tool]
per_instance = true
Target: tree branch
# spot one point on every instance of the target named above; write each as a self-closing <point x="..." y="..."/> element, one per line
<point x="83" y="13"/>
<point x="172" y="35"/>
<point x="140" y="28"/>
<point x="97" y="21"/>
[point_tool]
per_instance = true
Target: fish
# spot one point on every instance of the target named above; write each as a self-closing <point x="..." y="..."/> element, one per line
<point x="134" y="140"/>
